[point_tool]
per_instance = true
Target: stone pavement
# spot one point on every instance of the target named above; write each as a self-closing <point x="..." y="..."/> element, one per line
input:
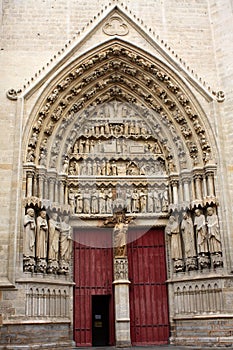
<point x="158" y="347"/>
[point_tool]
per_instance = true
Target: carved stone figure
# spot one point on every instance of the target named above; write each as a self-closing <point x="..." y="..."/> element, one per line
<point x="102" y="201"/>
<point x="187" y="230"/>
<point x="143" y="201"/>
<point x="128" y="201"/>
<point x="157" y="203"/>
<point x="150" y="201"/>
<point x="114" y="169"/>
<point x="54" y="236"/>
<point x="120" y="236"/>
<point x="86" y="201"/>
<point x="201" y="232"/>
<point x="29" y="233"/>
<point x="41" y="241"/>
<point x="135" y="201"/>
<point x="94" y="201"/>
<point x="173" y="231"/>
<point x="79" y="202"/>
<point x="72" y="200"/>
<point x="164" y="201"/>
<point x="65" y="245"/>
<point x="109" y="201"/>
<point x="213" y="232"/>
<point x="29" y="237"/>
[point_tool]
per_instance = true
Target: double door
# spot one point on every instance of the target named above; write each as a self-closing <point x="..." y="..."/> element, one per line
<point x="94" y="321"/>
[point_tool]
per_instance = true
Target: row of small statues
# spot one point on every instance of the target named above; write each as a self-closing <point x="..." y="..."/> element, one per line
<point x="113" y="168"/>
<point x="128" y="128"/>
<point x="94" y="201"/>
<point x="121" y="146"/>
<point x="47" y="243"/>
<point x="195" y="243"/>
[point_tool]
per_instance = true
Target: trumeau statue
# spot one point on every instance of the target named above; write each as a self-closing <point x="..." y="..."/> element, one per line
<point x="120" y="236"/>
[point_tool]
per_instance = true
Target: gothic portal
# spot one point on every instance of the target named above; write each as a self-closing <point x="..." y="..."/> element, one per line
<point x="120" y="238"/>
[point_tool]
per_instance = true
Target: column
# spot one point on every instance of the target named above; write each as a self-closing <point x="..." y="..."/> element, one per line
<point x="198" y="187"/>
<point x="61" y="191"/>
<point x="121" y="292"/>
<point x="66" y="192"/>
<point x="30" y="177"/>
<point x="210" y="184"/>
<point x="186" y="196"/>
<point x="56" y="192"/>
<point x="51" y="189"/>
<point x="175" y="197"/>
<point x="41" y="185"/>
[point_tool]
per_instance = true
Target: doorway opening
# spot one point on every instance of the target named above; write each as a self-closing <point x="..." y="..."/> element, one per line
<point x="100" y="320"/>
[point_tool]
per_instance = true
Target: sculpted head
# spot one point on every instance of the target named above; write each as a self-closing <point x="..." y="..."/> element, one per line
<point x="43" y="214"/>
<point x="210" y="211"/>
<point x="30" y="212"/>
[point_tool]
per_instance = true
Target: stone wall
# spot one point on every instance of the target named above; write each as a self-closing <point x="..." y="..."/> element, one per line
<point x="33" y="35"/>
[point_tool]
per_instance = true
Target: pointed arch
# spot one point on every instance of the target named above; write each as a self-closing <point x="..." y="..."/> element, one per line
<point x="118" y="72"/>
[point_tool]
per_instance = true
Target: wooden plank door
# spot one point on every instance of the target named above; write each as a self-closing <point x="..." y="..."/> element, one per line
<point x="93" y="275"/>
<point x="148" y="290"/>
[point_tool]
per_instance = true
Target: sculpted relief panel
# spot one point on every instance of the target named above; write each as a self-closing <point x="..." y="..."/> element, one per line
<point x="119" y="72"/>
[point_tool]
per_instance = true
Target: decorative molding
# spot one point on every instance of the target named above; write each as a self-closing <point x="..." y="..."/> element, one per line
<point x="115" y="26"/>
<point x="157" y="89"/>
<point x="119" y="13"/>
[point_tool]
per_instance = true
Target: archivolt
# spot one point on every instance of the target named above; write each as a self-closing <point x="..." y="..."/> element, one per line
<point x="120" y="72"/>
<point x="117" y="71"/>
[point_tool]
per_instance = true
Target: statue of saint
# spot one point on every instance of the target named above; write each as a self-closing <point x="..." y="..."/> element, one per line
<point x="201" y="232"/>
<point x="86" y="201"/>
<point x="66" y="240"/>
<point x="94" y="201"/>
<point x="135" y="201"/>
<point x="102" y="201"/>
<point x="79" y="202"/>
<point x="71" y="200"/>
<point x="172" y="230"/>
<point x="213" y="231"/>
<point x="41" y="236"/>
<point x="29" y="233"/>
<point x="188" y="236"/>
<point x="54" y="236"/>
<point x="109" y="201"/>
<point x="120" y="235"/>
<point x="143" y="201"/>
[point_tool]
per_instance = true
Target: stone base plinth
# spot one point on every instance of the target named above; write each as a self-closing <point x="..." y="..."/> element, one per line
<point x="36" y="336"/>
<point x="215" y="332"/>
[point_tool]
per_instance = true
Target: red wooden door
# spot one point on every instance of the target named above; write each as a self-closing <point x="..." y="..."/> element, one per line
<point x="148" y="290"/>
<point x="93" y="275"/>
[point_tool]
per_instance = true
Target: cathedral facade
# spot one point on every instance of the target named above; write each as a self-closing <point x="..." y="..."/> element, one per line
<point x="116" y="173"/>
